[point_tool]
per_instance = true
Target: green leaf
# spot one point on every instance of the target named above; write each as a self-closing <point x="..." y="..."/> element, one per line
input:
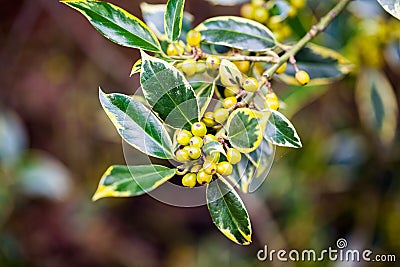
<point x="377" y="105"/>
<point x="228" y="2"/>
<point x="237" y="32"/>
<point x="204" y="95"/>
<point x="137" y="125"/>
<point x="391" y="6"/>
<point x="229" y="74"/>
<point x="253" y="168"/>
<point x="228" y="212"/>
<point x="154" y="15"/>
<point x="168" y="93"/>
<point x="117" y="24"/>
<point x="136" y="67"/>
<point x="245" y="129"/>
<point x="212" y="147"/>
<point x="173" y="19"/>
<point x="127" y="181"/>
<point x="322" y="64"/>
<point x="281" y="132"/>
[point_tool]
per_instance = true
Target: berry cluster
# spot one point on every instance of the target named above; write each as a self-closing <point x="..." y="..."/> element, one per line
<point x="202" y="166"/>
<point x="263" y="12"/>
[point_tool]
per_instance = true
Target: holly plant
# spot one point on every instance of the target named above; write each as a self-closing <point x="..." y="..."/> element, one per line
<point x="208" y="104"/>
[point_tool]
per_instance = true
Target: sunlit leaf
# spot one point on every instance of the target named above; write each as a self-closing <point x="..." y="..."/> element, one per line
<point x="126" y="181"/>
<point x="228" y="212"/>
<point x="229" y="74"/>
<point x="117" y="24"/>
<point x="391" y="6"/>
<point x="212" y="147"/>
<point x="168" y="92"/>
<point x="173" y="19"/>
<point x="281" y="132"/>
<point x="204" y="95"/>
<point x="153" y="15"/>
<point x="136" y="67"/>
<point x="245" y="129"/>
<point x="137" y="125"/>
<point x="377" y="105"/>
<point x="237" y="32"/>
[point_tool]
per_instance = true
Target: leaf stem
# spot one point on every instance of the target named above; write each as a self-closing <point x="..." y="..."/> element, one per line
<point x="314" y="31"/>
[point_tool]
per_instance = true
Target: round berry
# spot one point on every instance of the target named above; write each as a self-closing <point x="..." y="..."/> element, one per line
<point x="250" y="84"/>
<point x="203" y="177"/>
<point x="260" y="15"/>
<point x="189" y="180"/>
<point x="208" y="119"/>
<point x="243" y="66"/>
<point x="213" y="62"/>
<point x="246" y="11"/>
<point x="302" y="77"/>
<point x="189" y="67"/>
<point x="210" y="167"/>
<point x="229" y="102"/>
<point x="183" y="137"/>
<point x="182" y="155"/>
<point x="193" y="38"/>
<point x="281" y="68"/>
<point x="199" y="129"/>
<point x="231" y="91"/>
<point x="271" y="101"/>
<point x="196" y="141"/>
<point x="233" y="156"/>
<point x="208" y="138"/>
<point x="194" y="152"/>
<point x="175" y="50"/>
<point x="224" y="168"/>
<point x="298" y="3"/>
<point x="221" y="114"/>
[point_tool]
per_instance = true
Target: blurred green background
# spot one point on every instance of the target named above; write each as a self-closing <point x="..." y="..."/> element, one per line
<point x="55" y="143"/>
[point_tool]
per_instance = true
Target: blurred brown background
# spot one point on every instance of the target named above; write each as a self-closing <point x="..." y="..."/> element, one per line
<point x="343" y="183"/>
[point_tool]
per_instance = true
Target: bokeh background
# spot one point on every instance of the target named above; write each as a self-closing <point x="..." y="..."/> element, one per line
<point x="55" y="143"/>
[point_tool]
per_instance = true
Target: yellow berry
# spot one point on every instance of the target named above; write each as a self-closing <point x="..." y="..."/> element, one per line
<point x="210" y="167"/>
<point x="189" y="180"/>
<point x="224" y="168"/>
<point x="298" y="3"/>
<point x="260" y="14"/>
<point x="183" y="137"/>
<point x="229" y="102"/>
<point x="203" y="177"/>
<point x="193" y="38"/>
<point x="182" y="155"/>
<point x="250" y="84"/>
<point x="246" y="11"/>
<point x="292" y="12"/>
<point x="189" y="67"/>
<point x="281" y="68"/>
<point x="233" y="156"/>
<point x="213" y="62"/>
<point x="243" y="66"/>
<point x="221" y="115"/>
<point x="231" y="91"/>
<point x="302" y="77"/>
<point x="199" y="129"/>
<point x="208" y="119"/>
<point x="196" y="141"/>
<point x="208" y="138"/>
<point x="194" y="152"/>
<point x="271" y="101"/>
<point x="175" y="50"/>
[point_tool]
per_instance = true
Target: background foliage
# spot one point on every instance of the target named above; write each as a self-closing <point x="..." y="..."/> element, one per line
<point x="56" y="142"/>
